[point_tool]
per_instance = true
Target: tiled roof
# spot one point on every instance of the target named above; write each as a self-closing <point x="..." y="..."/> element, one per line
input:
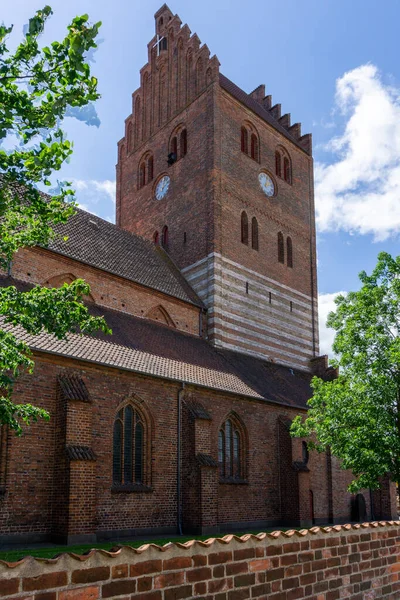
<point x="101" y="244"/>
<point x="256" y="107"/>
<point x="73" y="388"/>
<point x="80" y="453"/>
<point x="142" y="346"/>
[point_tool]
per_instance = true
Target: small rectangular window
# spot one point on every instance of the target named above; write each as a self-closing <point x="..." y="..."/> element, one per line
<point x="270" y="297"/>
<point x="247" y="287"/>
<point x="291" y="306"/>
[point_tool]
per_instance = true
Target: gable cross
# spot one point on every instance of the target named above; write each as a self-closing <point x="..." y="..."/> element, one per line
<point x="158" y="43"/>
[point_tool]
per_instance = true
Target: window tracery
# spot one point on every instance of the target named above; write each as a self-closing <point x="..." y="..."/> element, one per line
<point x="130" y="438"/>
<point x="231" y="450"/>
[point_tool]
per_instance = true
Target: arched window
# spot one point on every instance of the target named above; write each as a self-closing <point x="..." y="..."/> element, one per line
<point x="254" y="233"/>
<point x="163" y="44"/>
<point x="286" y="170"/>
<point x="174" y="149"/>
<point x="142" y="175"/>
<point x="156" y="238"/>
<point x="281" y="248"/>
<point x="183" y="143"/>
<point x="289" y="252"/>
<point x="283" y="165"/>
<point x="244" y="140"/>
<point x="150" y="169"/>
<point x="129" y="134"/>
<point x="231" y="456"/>
<point x="278" y="164"/>
<point x="128" y="447"/>
<point x="254" y="147"/>
<point x="164" y="237"/>
<point x="244" y="228"/>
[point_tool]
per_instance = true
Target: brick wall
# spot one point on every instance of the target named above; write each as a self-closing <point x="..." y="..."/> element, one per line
<point x="45" y="495"/>
<point x="361" y="562"/>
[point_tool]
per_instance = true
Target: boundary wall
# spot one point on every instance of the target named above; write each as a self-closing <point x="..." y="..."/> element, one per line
<point x="361" y="562"/>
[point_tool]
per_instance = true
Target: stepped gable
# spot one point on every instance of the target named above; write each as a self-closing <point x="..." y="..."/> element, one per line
<point x="261" y="105"/>
<point x="176" y="57"/>
<point x="177" y="61"/>
<point x="101" y="244"/>
<point x="148" y="348"/>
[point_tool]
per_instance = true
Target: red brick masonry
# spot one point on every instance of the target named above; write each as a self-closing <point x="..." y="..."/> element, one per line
<point x="361" y="562"/>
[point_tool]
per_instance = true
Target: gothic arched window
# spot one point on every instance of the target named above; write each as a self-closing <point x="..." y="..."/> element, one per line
<point x="164" y="237"/>
<point x="174" y="148"/>
<point x="129" y="447"/>
<point x="254" y="147"/>
<point x="281" y="248"/>
<point x="156" y="238"/>
<point x="283" y="164"/>
<point x="183" y="143"/>
<point x="244" y="229"/>
<point x="254" y="233"/>
<point x="289" y="252"/>
<point x="244" y="143"/>
<point x="231" y="450"/>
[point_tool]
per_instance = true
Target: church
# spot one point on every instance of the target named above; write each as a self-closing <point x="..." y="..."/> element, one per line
<point x="179" y="421"/>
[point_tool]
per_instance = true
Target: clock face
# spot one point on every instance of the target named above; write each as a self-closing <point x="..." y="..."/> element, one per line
<point x="162" y="187"/>
<point x="266" y="183"/>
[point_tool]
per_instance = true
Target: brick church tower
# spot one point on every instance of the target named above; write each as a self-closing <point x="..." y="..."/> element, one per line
<point x="224" y="183"/>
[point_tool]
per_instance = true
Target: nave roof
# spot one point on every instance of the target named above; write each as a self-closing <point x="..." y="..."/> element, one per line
<point x="145" y="347"/>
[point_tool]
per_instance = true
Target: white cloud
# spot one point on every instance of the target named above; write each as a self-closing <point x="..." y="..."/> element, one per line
<point x="91" y="187"/>
<point x="95" y="196"/>
<point x="359" y="191"/>
<point x="326" y="305"/>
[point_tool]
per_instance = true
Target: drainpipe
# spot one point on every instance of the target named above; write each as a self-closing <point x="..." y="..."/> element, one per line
<point x="9" y="268"/>
<point x="178" y="459"/>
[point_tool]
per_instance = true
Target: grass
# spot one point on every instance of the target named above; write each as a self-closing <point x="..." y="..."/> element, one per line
<point x="52" y="551"/>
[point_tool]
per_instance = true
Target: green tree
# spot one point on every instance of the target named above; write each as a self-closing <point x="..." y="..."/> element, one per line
<point x="37" y="88"/>
<point x="357" y="415"/>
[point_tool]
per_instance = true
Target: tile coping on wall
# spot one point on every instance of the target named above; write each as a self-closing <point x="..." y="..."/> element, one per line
<point x="198" y="545"/>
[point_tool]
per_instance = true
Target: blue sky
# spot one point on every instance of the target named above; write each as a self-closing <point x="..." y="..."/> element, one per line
<point x="333" y="64"/>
